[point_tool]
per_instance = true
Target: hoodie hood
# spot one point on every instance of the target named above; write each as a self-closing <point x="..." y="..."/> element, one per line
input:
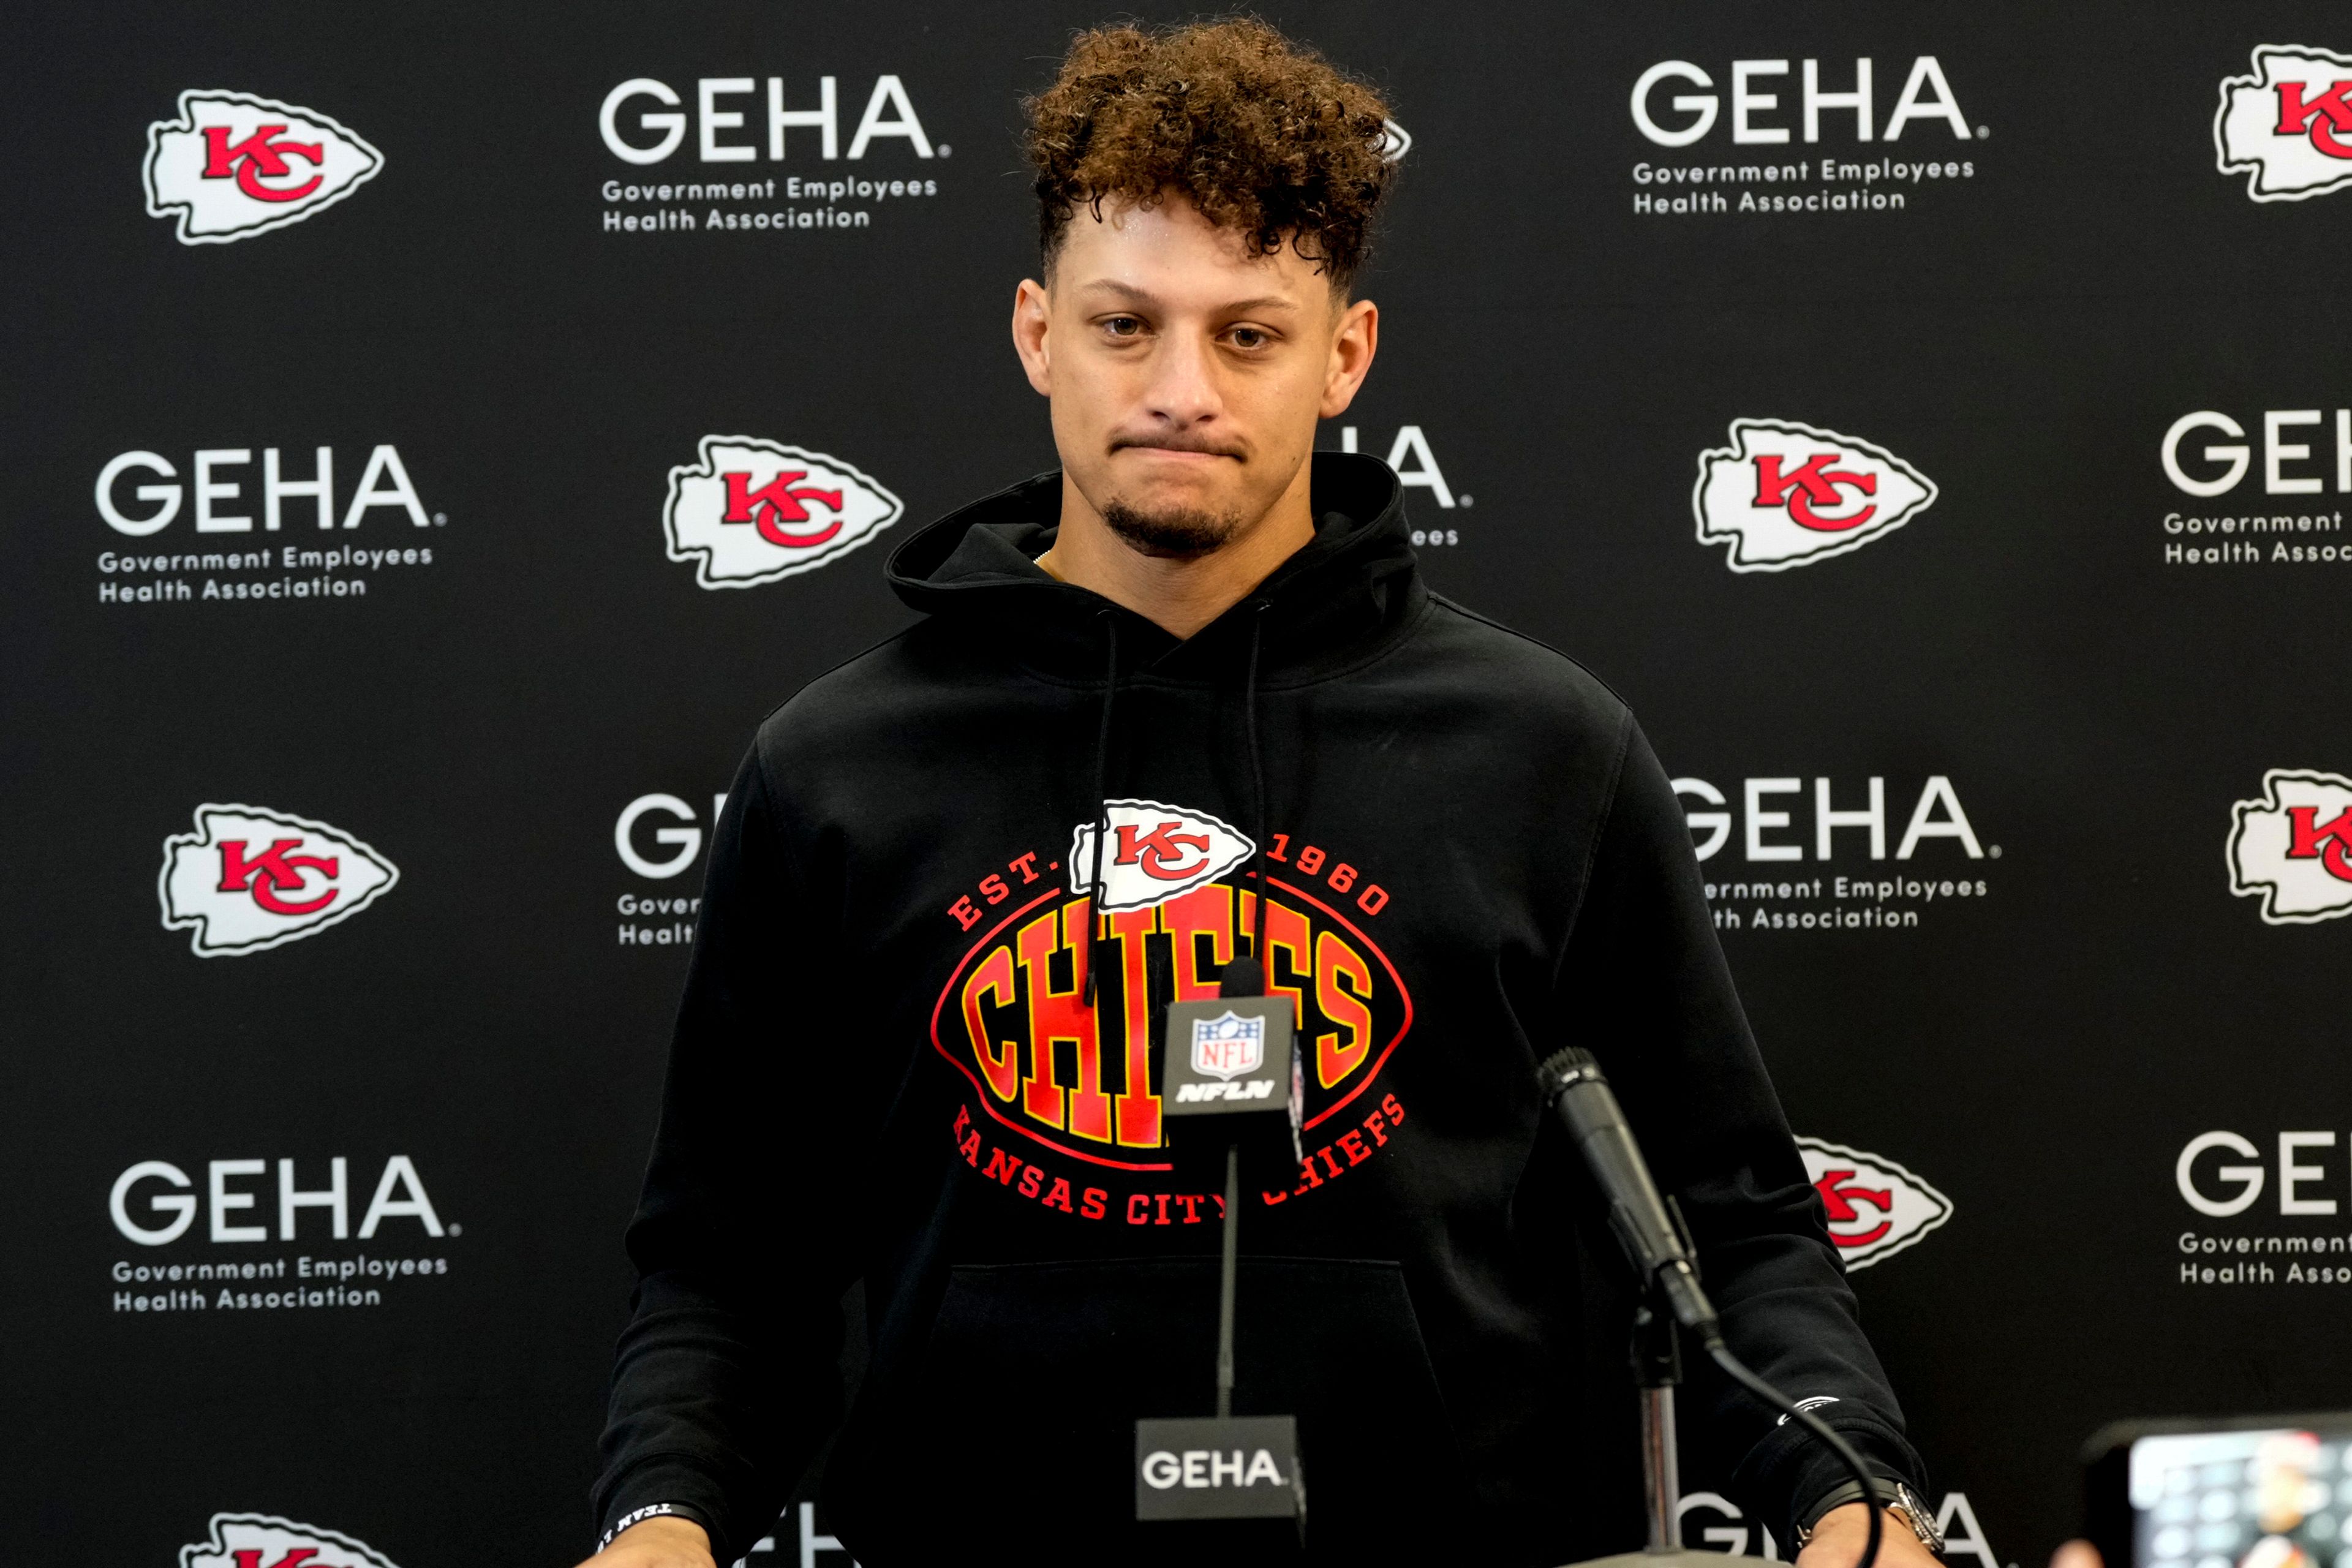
<point x="1342" y="597"/>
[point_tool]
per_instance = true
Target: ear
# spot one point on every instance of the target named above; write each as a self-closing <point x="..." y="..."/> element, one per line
<point x="1032" y="307"/>
<point x="1355" y="339"/>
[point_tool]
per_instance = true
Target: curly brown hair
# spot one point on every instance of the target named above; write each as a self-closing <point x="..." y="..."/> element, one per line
<point x="1265" y="137"/>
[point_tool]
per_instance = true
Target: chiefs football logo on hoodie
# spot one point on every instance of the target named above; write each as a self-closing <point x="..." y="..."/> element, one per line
<point x="752" y="512"/>
<point x="2287" y="126"/>
<point x="233" y="166"/>
<point x="2293" y="847"/>
<point x="264" y="1541"/>
<point x="249" y="878"/>
<point x="1784" y="494"/>
<point x="1875" y="1207"/>
<point x="1015" y="1019"/>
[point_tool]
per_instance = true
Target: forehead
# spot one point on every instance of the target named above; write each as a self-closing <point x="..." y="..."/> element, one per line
<point x="1175" y="254"/>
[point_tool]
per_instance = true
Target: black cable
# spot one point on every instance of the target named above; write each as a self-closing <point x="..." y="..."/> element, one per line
<point x="1737" y="1372"/>
<point x="1251" y="973"/>
<point x="1257" y="790"/>
<point x="1098" y="937"/>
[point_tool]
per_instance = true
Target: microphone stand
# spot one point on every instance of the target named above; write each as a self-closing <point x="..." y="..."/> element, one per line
<point x="1229" y="1074"/>
<point x="1657" y="1368"/>
<point x="1227" y="1274"/>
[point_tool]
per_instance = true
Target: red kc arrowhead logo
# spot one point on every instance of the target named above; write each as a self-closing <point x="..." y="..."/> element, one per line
<point x="249" y="878"/>
<point x="753" y="510"/>
<point x="2291" y="848"/>
<point x="1875" y="1208"/>
<point x="1156" y="852"/>
<point x="2287" y="126"/>
<point x="233" y="165"/>
<point x="266" y="1540"/>
<point x="1786" y="494"/>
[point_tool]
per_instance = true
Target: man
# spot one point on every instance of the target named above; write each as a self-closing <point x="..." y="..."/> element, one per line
<point x="957" y="875"/>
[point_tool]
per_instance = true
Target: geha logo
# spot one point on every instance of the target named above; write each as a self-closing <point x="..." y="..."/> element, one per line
<point x="398" y="1191"/>
<point x="2300" y="1185"/>
<point x="657" y="837"/>
<point x="233" y="166"/>
<point x="1875" y="1207"/>
<point x="1963" y="1536"/>
<point x="2224" y="465"/>
<point x="754" y="510"/>
<point x="249" y="878"/>
<point x="2293" y="847"/>
<point x="728" y="119"/>
<point x="889" y="114"/>
<point x="383" y="482"/>
<point x="1926" y="95"/>
<point x="264" y="1541"/>
<point x="1156" y="853"/>
<point x="1936" y="814"/>
<point x="2287" y="126"/>
<point x="1785" y="494"/>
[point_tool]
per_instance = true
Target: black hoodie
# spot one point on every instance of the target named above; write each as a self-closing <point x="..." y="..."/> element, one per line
<point x="884" y="1069"/>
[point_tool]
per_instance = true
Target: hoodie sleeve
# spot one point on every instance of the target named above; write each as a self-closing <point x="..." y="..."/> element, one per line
<point x="1643" y="974"/>
<point x="726" y="1381"/>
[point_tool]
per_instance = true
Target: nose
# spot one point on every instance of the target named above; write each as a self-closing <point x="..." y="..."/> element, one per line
<point x="1182" y="391"/>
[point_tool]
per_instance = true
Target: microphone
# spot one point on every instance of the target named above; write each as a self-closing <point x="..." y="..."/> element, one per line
<point x="1650" y="1233"/>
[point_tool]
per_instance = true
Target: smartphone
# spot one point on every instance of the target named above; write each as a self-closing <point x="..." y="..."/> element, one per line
<point x="2271" y="1491"/>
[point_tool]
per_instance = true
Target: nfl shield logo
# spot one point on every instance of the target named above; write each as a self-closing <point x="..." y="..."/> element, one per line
<point x="1228" y="1045"/>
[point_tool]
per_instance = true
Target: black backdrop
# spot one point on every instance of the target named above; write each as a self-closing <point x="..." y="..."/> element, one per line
<point x="2013" y="1076"/>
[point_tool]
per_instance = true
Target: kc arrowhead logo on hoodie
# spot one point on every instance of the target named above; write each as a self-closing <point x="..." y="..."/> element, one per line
<point x="2287" y="126"/>
<point x="249" y="878"/>
<point x="264" y="1541"/>
<point x="1876" y="1208"/>
<point x="1156" y="852"/>
<point x="2293" y="847"/>
<point x="753" y="510"/>
<point x="233" y="166"/>
<point x="1785" y="494"/>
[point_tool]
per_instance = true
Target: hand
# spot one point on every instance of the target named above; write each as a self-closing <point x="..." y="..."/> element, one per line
<point x="1841" y="1534"/>
<point x="661" y="1541"/>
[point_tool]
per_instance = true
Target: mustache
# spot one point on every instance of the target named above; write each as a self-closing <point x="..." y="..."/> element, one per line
<point x="1179" y="443"/>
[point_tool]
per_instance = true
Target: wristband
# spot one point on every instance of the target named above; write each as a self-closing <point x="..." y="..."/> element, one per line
<point x="654" y="1511"/>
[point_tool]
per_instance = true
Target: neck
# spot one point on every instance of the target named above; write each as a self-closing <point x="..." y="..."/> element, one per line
<point x="1178" y="596"/>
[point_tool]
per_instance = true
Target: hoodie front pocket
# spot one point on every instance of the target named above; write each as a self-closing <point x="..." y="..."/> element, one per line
<point x="1016" y="1427"/>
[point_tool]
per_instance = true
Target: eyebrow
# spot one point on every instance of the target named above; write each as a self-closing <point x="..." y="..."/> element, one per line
<point x="1128" y="291"/>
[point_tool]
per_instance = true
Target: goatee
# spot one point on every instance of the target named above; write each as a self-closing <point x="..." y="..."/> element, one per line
<point x="1184" y="535"/>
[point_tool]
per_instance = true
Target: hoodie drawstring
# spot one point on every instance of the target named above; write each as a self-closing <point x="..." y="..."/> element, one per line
<point x="1247" y="975"/>
<point x="1098" y="941"/>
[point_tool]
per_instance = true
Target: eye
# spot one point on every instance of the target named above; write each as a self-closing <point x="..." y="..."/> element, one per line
<point x="1250" y="338"/>
<point x="1123" y="326"/>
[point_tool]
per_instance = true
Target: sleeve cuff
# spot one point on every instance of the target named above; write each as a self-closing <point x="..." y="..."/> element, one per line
<point x="686" y="1511"/>
<point x="1789" y="1477"/>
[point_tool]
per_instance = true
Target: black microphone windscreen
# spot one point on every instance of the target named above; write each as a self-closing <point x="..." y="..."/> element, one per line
<point x="1242" y="977"/>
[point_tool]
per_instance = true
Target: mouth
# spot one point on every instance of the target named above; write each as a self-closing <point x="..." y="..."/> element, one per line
<point x="1177" y="451"/>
